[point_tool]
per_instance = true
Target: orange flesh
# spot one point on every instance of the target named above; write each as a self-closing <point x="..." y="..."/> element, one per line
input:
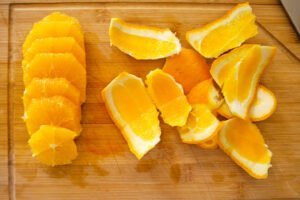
<point x="199" y="93"/>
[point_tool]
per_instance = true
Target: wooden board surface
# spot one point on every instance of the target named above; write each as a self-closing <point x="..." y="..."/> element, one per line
<point x="105" y="169"/>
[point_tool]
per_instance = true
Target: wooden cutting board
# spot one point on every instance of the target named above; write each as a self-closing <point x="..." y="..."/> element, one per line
<point x="105" y="169"/>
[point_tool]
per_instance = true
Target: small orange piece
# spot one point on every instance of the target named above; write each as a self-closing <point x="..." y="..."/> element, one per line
<point x="53" y="145"/>
<point x="243" y="142"/>
<point x="188" y="68"/>
<point x="57" y="111"/>
<point x="168" y="97"/>
<point x="206" y="92"/>
<point x="210" y="144"/>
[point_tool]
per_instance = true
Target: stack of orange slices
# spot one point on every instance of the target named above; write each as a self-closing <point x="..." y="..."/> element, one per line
<point x="55" y="79"/>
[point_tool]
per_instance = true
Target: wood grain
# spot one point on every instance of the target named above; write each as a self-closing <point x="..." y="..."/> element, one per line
<point x="105" y="169"/>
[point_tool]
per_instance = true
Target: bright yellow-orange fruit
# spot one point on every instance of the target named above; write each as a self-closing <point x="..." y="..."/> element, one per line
<point x="50" y="87"/>
<point x="53" y="145"/>
<point x="243" y="142"/>
<point x="210" y="144"/>
<point x="168" y="96"/>
<point x="225" y="33"/>
<point x="58" y="65"/>
<point x="188" y="68"/>
<point x="58" y="17"/>
<point x="57" y="111"/>
<point x="142" y="42"/>
<point x="133" y="112"/>
<point x="206" y="92"/>
<point x="201" y="125"/>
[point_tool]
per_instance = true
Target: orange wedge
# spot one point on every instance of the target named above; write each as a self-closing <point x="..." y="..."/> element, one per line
<point x="168" y="97"/>
<point x="240" y="84"/>
<point x="133" y="112"/>
<point x="188" y="68"/>
<point x="55" y="45"/>
<point x="262" y="107"/>
<point x="53" y="145"/>
<point x="206" y="92"/>
<point x="58" y="17"/>
<point x="59" y="65"/>
<point x="223" y="34"/>
<point x="57" y="111"/>
<point x="201" y="125"/>
<point x="50" y="87"/>
<point x="143" y="42"/>
<point x="210" y="144"/>
<point x="243" y="142"/>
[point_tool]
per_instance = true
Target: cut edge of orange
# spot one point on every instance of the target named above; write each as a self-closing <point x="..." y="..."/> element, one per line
<point x="210" y="144"/>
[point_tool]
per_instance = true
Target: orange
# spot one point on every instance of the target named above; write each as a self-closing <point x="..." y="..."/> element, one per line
<point x="59" y="65"/>
<point x="243" y="142"/>
<point x="210" y="144"/>
<point x="142" y="42"/>
<point x="188" y="68"/>
<point x="133" y="112"/>
<point x="201" y="125"/>
<point x="58" y="16"/>
<point x="53" y="145"/>
<point x="50" y="87"/>
<point x="206" y="92"/>
<point x="168" y="97"/>
<point x="57" y="111"/>
<point x="223" y="34"/>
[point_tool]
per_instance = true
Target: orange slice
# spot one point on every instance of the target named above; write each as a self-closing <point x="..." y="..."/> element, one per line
<point x="143" y="42"/>
<point x="263" y="106"/>
<point x="242" y="79"/>
<point x="168" y="97"/>
<point x="46" y="29"/>
<point x="57" y="111"/>
<point x="188" y="68"/>
<point x="58" y="17"/>
<point x="59" y="65"/>
<point x="133" y="112"/>
<point x="243" y="142"/>
<point x="206" y="93"/>
<point x="223" y="34"/>
<point x="53" y="145"/>
<point x="50" y="87"/>
<point x="55" y="45"/>
<point x="201" y="125"/>
<point x="210" y="144"/>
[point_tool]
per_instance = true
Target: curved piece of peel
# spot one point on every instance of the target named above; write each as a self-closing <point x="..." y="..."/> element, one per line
<point x="201" y="125"/>
<point x="168" y="96"/>
<point x="242" y="141"/>
<point x="133" y="112"/>
<point x="210" y="144"/>
<point x="143" y="42"/>
<point x="225" y="33"/>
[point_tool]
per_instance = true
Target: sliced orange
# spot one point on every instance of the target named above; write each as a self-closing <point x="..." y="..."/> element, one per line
<point x="210" y="144"/>
<point x="188" y="68"/>
<point x="50" y="87"/>
<point x="243" y="142"/>
<point x="206" y="92"/>
<point x="239" y="86"/>
<point x="53" y="145"/>
<point x="225" y="33"/>
<point x="133" y="112"/>
<point x="58" y="65"/>
<point x="201" y="125"/>
<point x="143" y="42"/>
<point x="168" y="97"/>
<point x="55" y="45"/>
<point x="57" y="111"/>
<point x="262" y="107"/>
<point x="58" y="16"/>
<point x="46" y="29"/>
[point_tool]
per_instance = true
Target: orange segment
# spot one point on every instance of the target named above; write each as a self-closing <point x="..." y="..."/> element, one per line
<point x="210" y="144"/>
<point x="60" y="65"/>
<point x="188" y="68"/>
<point x="57" y="111"/>
<point x="55" y="45"/>
<point x="143" y="42"/>
<point x="223" y="34"/>
<point x="168" y="97"/>
<point x="58" y="17"/>
<point x="206" y="93"/>
<point x="53" y="145"/>
<point x="201" y="125"/>
<point x="133" y="112"/>
<point x="50" y="87"/>
<point x="243" y="142"/>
